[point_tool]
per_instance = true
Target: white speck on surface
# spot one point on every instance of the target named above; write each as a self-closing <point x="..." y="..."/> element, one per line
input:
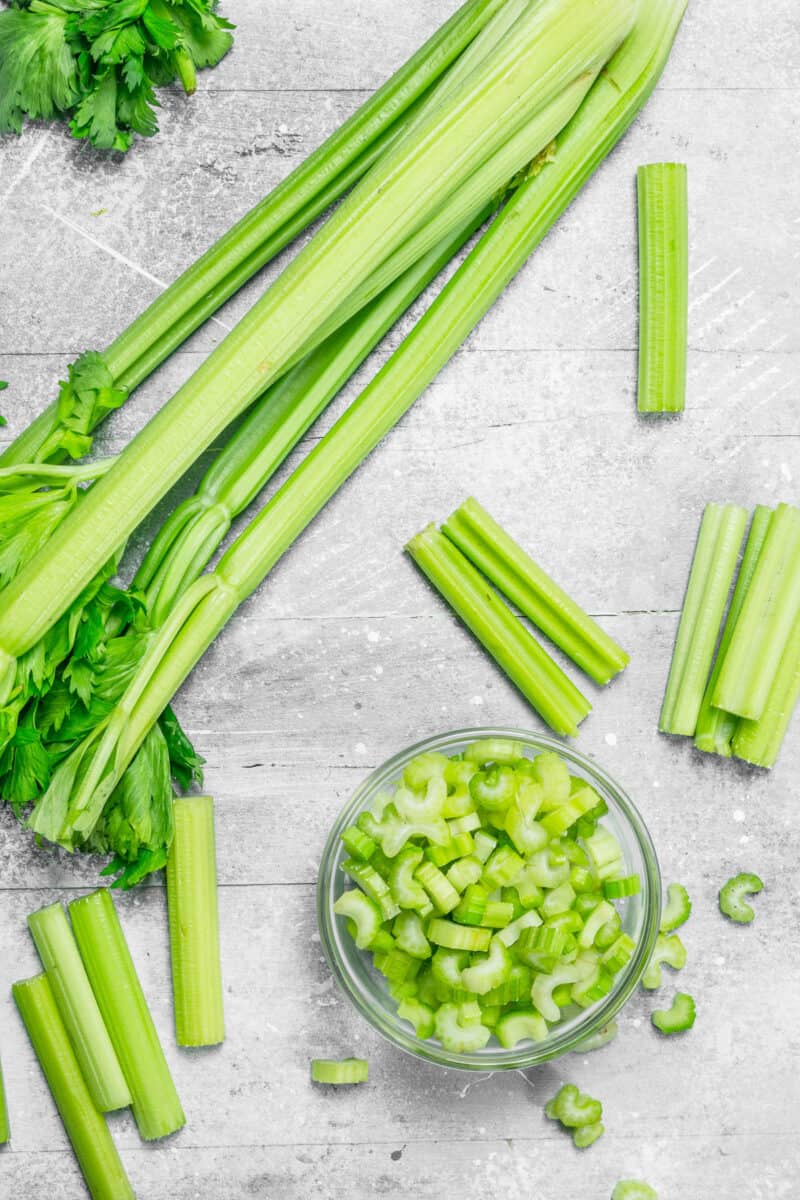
<point x="379" y="669"/>
<point x="720" y="960"/>
<point x="610" y="739"/>
<point x="636" y="1022"/>
<point x="744" y="839"/>
<point x="477" y="701"/>
<point x="360" y="748"/>
<point x="373" y="635"/>
<point x="738" y="814"/>
<point x="786" y="471"/>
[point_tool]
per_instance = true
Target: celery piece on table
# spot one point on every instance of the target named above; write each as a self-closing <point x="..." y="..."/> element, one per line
<point x="338" y="1071"/>
<point x="759" y="742"/>
<point x="766" y="621"/>
<point x="86" y="1129"/>
<point x="5" y="1129"/>
<point x="516" y="651"/>
<point x="678" y="1017"/>
<point x="714" y="563"/>
<point x="715" y="727"/>
<point x="116" y="985"/>
<point x="663" y="286"/>
<point x="496" y="554"/>
<point x="79" y="1010"/>
<point x="194" y="925"/>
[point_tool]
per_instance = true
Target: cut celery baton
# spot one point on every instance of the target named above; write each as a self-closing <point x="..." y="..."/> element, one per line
<point x="759" y="742"/>
<point x="714" y="563"/>
<point x="116" y="985"/>
<point x="249" y="245"/>
<point x="663" y="286"/>
<point x="86" y="1129"/>
<point x="488" y="546"/>
<point x="76" y="1002"/>
<point x="194" y="925"/>
<point x="538" y="677"/>
<point x="202" y="612"/>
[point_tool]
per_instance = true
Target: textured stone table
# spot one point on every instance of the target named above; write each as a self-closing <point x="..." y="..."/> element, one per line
<point x="345" y="654"/>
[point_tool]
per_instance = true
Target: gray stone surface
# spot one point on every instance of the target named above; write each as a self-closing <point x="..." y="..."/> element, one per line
<point x="345" y="655"/>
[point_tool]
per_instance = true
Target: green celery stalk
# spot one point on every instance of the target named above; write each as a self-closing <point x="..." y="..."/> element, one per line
<point x="721" y="532"/>
<point x="759" y="742"/>
<point x="194" y="925"/>
<point x="548" y="606"/>
<point x="715" y="727"/>
<point x="542" y="682"/>
<point x="5" y="1128"/>
<point x="77" y="1005"/>
<point x="116" y="985"/>
<point x="663" y="286"/>
<point x="341" y="160"/>
<point x="547" y="49"/>
<point x="617" y="96"/>
<point x="765" y="624"/>
<point x="86" y="1129"/>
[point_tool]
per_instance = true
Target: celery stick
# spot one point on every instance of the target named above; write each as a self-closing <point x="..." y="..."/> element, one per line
<point x="759" y="742"/>
<point x="715" y="727"/>
<point x="86" y="1129"/>
<point x="765" y="623"/>
<point x="76" y="1002"/>
<point x="113" y="977"/>
<point x="541" y="681"/>
<point x="615" y="99"/>
<point x="663" y="286"/>
<point x="5" y="1129"/>
<point x="712" y="571"/>
<point x="518" y="577"/>
<point x="194" y="925"/>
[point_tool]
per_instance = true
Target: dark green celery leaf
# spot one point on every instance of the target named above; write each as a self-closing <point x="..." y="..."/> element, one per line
<point x="138" y="814"/>
<point x="96" y="116"/>
<point x="205" y="34"/>
<point x="88" y="393"/>
<point x="186" y="764"/>
<point x="25" y="766"/>
<point x="130" y="873"/>
<point x="37" y="70"/>
<point x="135" y="108"/>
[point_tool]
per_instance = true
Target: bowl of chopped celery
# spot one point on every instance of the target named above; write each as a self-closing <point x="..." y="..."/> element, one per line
<point x="489" y="898"/>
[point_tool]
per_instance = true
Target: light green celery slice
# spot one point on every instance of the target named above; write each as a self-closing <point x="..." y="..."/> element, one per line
<point x="194" y="925"/>
<point x="116" y="985"/>
<point x="766" y="621"/>
<point x="613" y="102"/>
<point x="714" y="563"/>
<point x="86" y="1129"/>
<point x="505" y="563"/>
<point x="540" y="679"/>
<point x="663" y="286"/>
<point x="315" y="184"/>
<point x="554" y="43"/>
<point x="715" y="727"/>
<point x="76" y="1002"/>
<point x="5" y="1129"/>
<point x="759" y="742"/>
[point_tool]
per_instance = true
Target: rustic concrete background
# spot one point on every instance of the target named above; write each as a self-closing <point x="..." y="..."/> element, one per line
<point x="345" y="655"/>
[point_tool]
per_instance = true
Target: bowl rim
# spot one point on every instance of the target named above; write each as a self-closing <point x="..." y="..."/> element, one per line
<point x="557" y="1043"/>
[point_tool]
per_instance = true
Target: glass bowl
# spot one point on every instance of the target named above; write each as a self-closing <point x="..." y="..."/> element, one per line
<point x="366" y="988"/>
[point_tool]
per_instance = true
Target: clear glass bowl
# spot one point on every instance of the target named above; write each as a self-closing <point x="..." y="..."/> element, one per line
<point x="366" y="988"/>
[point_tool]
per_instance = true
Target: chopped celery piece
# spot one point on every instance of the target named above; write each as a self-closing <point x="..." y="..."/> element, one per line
<point x="484" y="845"/>
<point x="397" y="965"/>
<point x="78" y="1008"/>
<point x="721" y="532"/>
<point x="560" y="819"/>
<point x="545" y="686"/>
<point x="573" y="1109"/>
<point x="586" y="1135"/>
<point x="502" y="866"/>
<point x="663" y="286"/>
<point x="409" y="933"/>
<point x="447" y="966"/>
<point x="498" y="914"/>
<point x="594" y="987"/>
<point x="486" y="974"/>
<point x="512" y="932"/>
<point x="759" y="742"/>
<point x="525" y="832"/>
<point x="559" y="900"/>
<point x="633" y="1189"/>
<point x="363" y="912"/>
<point x="442" y="893"/>
<point x="521" y="1025"/>
<point x="603" y="850"/>
<point x="194" y="924"/>
<point x="618" y="889"/>
<point x="596" y="1041"/>
<point x="715" y="727"/>
<point x="373" y="884"/>
<point x="768" y="616"/>
<point x="677" y="910"/>
<point x="493" y="787"/>
<point x="421" y="806"/>
<point x="545" y="984"/>
<point x="494" y="750"/>
<point x="337" y="1071"/>
<point x="464" y="873"/>
<point x="358" y="844"/>
<point x="457" y="1032"/>
<point x="5" y="1130"/>
<point x="113" y="977"/>
<point x="618" y="954"/>
<point x="678" y="1017"/>
<point x="406" y="890"/>
<point x="542" y="939"/>
<point x="420" y="1015"/>
<point x="546" y="869"/>
<point x="86" y="1129"/>
<point x="732" y="901"/>
<point x="458" y="937"/>
<point x="595" y="921"/>
<point x="536" y="595"/>
<point x="425" y="769"/>
<point x="669" y="949"/>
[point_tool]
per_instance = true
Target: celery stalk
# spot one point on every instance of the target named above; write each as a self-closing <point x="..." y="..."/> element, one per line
<point x="541" y="681"/>
<point x="553" y="44"/>
<point x="619" y="93"/>
<point x="765" y="624"/>
<point x="5" y="1129"/>
<point x="663" y="287"/>
<point x="194" y="925"/>
<point x="113" y="977"/>
<point x="548" y="606"/>
<point x="253" y="241"/>
<point x="714" y="563"/>
<point x="759" y="742"/>
<point x="76" y="1002"/>
<point x="715" y="727"/>
<point x="87" y="1131"/>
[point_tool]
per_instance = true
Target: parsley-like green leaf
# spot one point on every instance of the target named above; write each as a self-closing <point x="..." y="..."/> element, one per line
<point x="38" y="77"/>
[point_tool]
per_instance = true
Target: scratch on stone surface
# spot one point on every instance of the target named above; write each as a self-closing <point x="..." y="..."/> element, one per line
<point x="473" y="1082"/>
<point x="25" y="168"/>
<point x="122" y="258"/>
<point x="712" y="291"/>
